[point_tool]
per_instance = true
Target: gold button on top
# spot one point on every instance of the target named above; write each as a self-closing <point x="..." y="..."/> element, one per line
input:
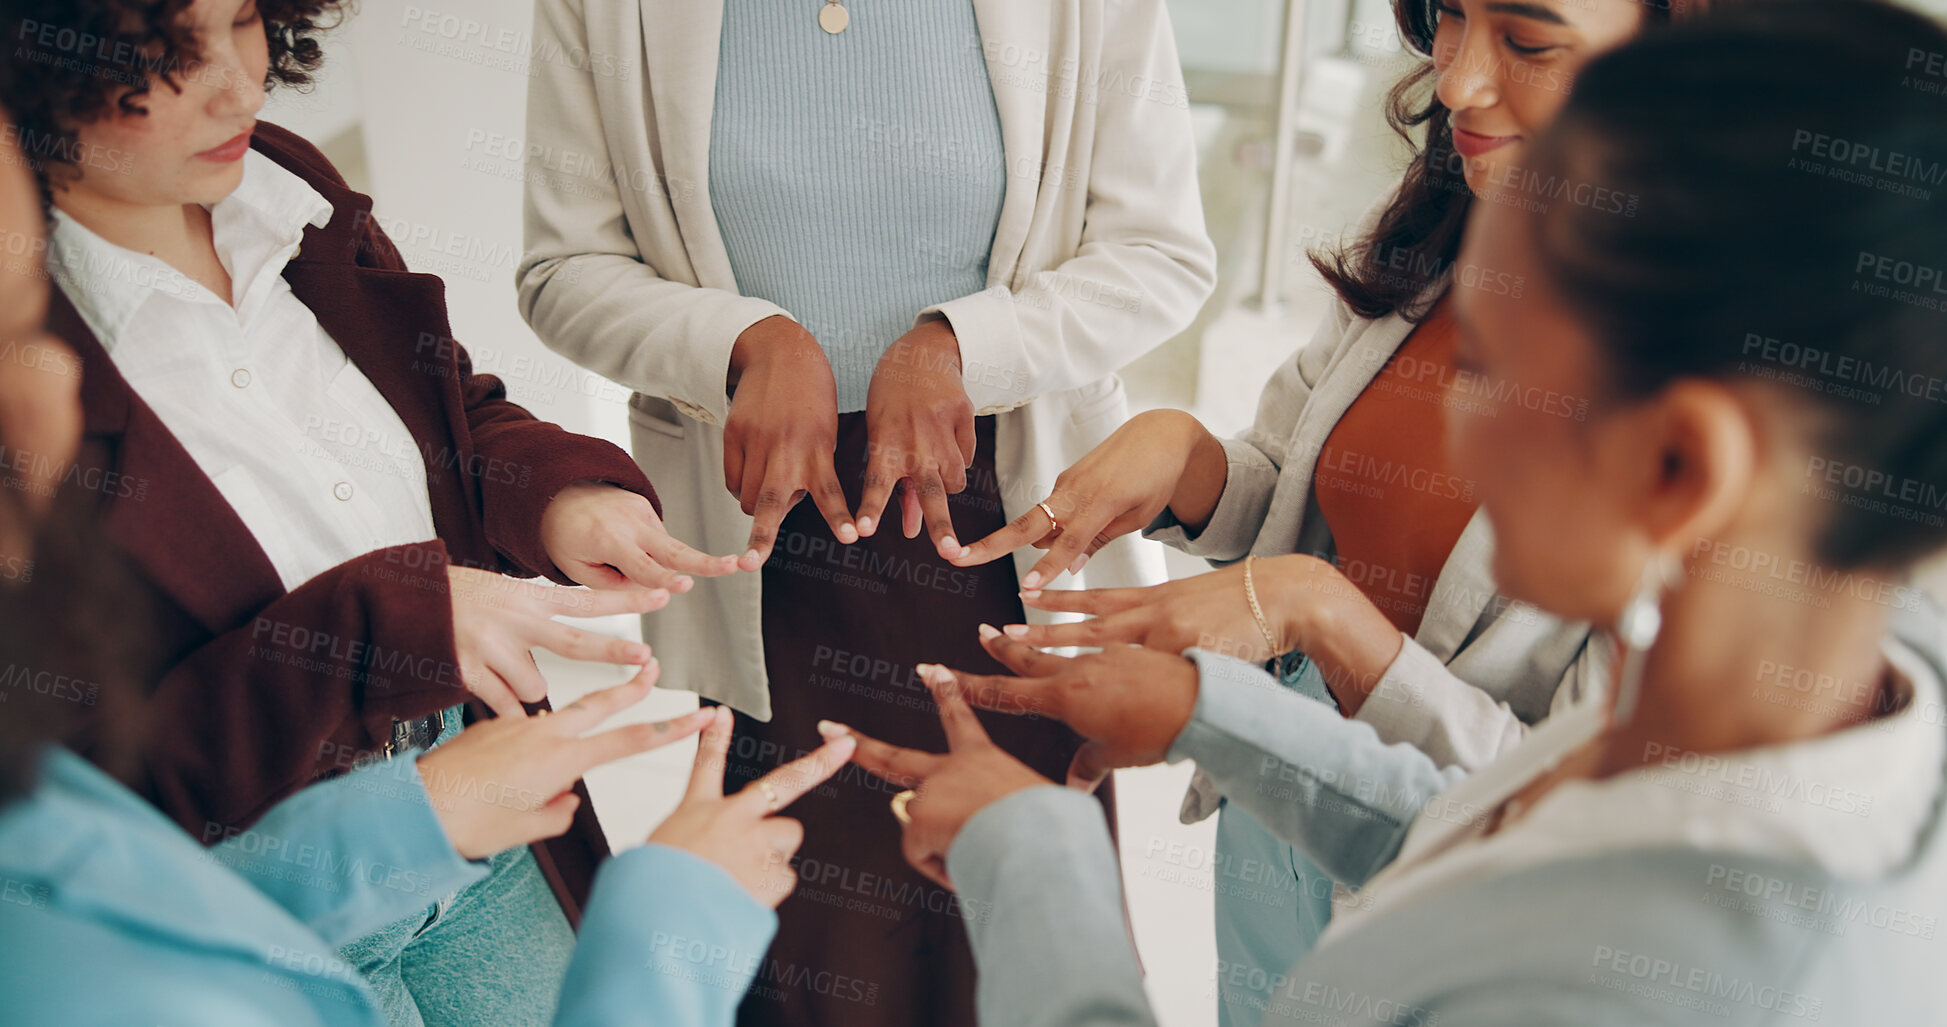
<point x="834" y="18"/>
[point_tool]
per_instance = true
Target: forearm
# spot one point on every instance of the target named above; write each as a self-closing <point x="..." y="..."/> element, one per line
<point x="320" y="673"/>
<point x="1038" y="877"/>
<point x="1329" y="619"/>
<point x="667" y="938"/>
<point x="1326" y="785"/>
<point x="348" y="856"/>
<point x="1201" y="482"/>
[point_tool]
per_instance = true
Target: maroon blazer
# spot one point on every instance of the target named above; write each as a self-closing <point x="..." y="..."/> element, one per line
<point x="260" y="691"/>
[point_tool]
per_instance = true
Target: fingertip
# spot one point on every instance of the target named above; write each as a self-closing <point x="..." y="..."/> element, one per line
<point x="866" y="524"/>
<point x="830" y="729"/>
<point x="847" y="533"/>
<point x="1080" y="562"/>
<point x="1031" y="584"/>
<point x="685" y="583"/>
<point x="987" y="632"/>
<point x="1030" y="595"/>
<point x="1016" y="630"/>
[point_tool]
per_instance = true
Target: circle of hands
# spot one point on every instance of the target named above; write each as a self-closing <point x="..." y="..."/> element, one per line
<point x="1128" y="700"/>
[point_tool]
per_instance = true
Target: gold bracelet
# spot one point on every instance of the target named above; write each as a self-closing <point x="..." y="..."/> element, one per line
<point x="1263" y="624"/>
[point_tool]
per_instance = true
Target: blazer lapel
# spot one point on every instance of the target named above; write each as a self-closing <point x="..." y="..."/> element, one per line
<point x="392" y="325"/>
<point x="157" y="505"/>
<point x="1008" y="26"/>
<point x="680" y="45"/>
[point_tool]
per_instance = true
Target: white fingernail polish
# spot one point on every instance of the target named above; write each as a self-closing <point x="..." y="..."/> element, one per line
<point x="987" y="631"/>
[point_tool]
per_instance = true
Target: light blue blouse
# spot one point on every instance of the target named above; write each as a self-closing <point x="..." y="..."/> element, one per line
<point x="857" y="178"/>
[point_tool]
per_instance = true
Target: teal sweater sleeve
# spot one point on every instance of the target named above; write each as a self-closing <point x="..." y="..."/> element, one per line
<point x="350" y="855"/>
<point x="666" y="938"/>
<point x="1324" y="784"/>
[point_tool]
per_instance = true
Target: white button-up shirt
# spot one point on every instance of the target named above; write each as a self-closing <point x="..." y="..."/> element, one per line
<point x="299" y="442"/>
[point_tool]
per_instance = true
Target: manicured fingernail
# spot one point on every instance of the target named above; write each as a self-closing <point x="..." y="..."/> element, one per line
<point x="1016" y="630"/>
<point x="751" y="556"/>
<point x="848" y="534"/>
<point x="1030" y="593"/>
<point x="1031" y="582"/>
<point x="1080" y="562"/>
<point x="950" y="546"/>
<point x="865" y="525"/>
<point x="833" y="729"/>
<point x="658" y="595"/>
<point x="987" y="631"/>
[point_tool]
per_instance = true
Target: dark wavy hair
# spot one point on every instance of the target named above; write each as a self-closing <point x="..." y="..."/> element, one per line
<point x="72" y="62"/>
<point x="1764" y="250"/>
<point x="1421" y="227"/>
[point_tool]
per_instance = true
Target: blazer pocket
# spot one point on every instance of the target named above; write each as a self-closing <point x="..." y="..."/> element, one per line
<point x="656" y="414"/>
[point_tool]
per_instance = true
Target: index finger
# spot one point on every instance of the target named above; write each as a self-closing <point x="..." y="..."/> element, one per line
<point x="1024" y="660"/>
<point x="963" y="730"/>
<point x="881" y="474"/>
<point x="907" y="768"/>
<point x="680" y="556"/>
<point x="1025" y="530"/>
<point x="712" y="758"/>
<point x="799" y="776"/>
<point x="558" y="601"/>
<point x="590" y="710"/>
<point x="1014" y="696"/>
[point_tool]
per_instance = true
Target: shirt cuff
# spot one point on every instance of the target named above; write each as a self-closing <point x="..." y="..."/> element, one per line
<point x="1396" y="707"/>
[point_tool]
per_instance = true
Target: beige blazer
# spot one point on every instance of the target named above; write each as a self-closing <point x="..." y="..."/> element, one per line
<point x="1482" y="667"/>
<point x="1100" y="255"/>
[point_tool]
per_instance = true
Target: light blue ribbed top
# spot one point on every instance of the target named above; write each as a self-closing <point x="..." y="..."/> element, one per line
<point x="857" y="178"/>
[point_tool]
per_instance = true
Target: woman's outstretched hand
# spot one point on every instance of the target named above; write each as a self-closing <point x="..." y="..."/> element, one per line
<point x="951" y="786"/>
<point x="920" y="427"/>
<point x="740" y="832"/>
<point x="497" y="620"/>
<point x="1209" y="611"/>
<point x="1161" y="458"/>
<point x="781" y="432"/>
<point x="608" y="537"/>
<point x="1128" y="703"/>
<point x="507" y="781"/>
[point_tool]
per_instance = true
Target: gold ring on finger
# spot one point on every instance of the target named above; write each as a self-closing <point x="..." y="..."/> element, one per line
<point x="899" y="806"/>
<point x="1054" y="523"/>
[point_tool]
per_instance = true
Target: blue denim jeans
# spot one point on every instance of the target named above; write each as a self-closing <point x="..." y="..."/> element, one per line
<point x="1264" y="928"/>
<point x="493" y="953"/>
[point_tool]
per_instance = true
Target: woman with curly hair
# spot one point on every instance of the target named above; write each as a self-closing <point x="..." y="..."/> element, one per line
<point x="321" y="502"/>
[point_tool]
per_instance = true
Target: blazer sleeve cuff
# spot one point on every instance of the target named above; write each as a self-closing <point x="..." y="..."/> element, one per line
<point x="666" y="937"/>
<point x="1422" y="703"/>
<point x="994" y="365"/>
<point x="1249" y="481"/>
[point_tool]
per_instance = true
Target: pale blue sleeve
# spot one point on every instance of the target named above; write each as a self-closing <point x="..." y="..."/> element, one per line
<point x="1041" y="886"/>
<point x="349" y="855"/>
<point x="1325" y="785"/>
<point x="667" y="938"/>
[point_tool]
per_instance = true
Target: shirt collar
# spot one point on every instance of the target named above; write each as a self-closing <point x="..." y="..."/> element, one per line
<point x="256" y="228"/>
<point x="1853" y="802"/>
